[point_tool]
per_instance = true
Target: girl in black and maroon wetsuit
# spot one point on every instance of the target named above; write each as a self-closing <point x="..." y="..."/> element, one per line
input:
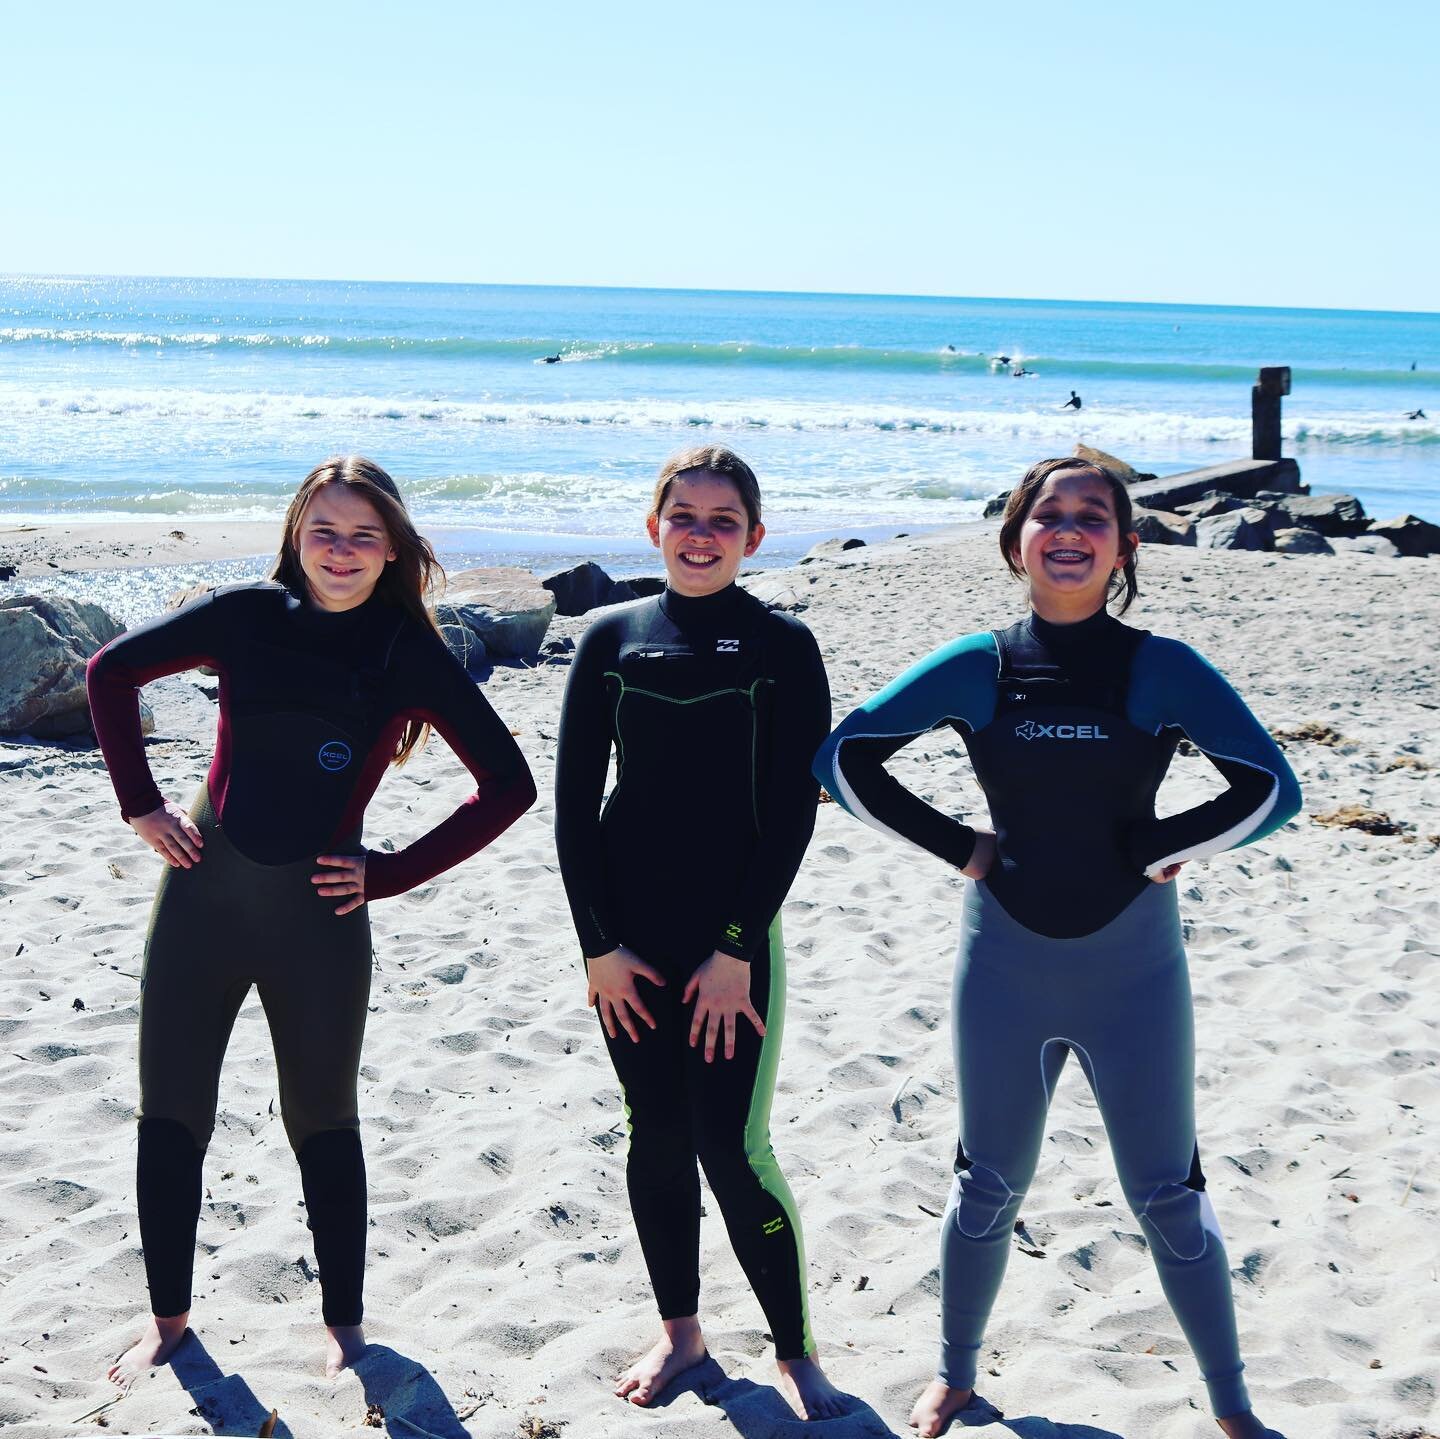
<point x="329" y="673"/>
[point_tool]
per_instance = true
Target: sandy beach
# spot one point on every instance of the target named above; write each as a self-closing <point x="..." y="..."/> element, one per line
<point x="505" y="1284"/>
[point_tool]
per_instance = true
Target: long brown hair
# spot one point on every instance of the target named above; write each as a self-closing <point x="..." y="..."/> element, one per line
<point x="406" y="580"/>
<point x="1022" y="501"/>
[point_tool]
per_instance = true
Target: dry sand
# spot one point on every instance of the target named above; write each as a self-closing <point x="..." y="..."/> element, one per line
<point x="505" y="1283"/>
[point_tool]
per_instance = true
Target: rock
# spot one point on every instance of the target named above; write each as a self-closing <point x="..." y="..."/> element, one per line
<point x="8" y="571"/>
<point x="831" y="549"/>
<point x="1302" y="542"/>
<point x="1160" y="527"/>
<point x="1119" y="468"/>
<point x="585" y="587"/>
<point x="1409" y="534"/>
<point x="647" y="585"/>
<point x="507" y="610"/>
<point x="1212" y="504"/>
<point x="1364" y="545"/>
<point x="778" y="593"/>
<point x="183" y="597"/>
<point x="1246" y="529"/>
<point x="1235" y="477"/>
<point x="1330" y="514"/>
<point x="45" y="641"/>
<point x="995" y="505"/>
<point x="464" y="644"/>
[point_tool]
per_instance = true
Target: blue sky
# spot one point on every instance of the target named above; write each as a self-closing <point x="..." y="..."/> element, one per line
<point x="1277" y="154"/>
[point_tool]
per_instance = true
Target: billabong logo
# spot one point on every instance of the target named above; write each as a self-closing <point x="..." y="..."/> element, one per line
<point x="334" y="755"/>
<point x="773" y="1226"/>
<point x="727" y="647"/>
<point x="733" y="933"/>
<point x="1031" y="730"/>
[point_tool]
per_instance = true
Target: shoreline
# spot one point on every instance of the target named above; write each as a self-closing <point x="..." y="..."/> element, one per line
<point x="38" y="551"/>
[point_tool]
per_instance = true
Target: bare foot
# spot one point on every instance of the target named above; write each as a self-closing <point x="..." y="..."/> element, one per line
<point x="1245" y="1426"/>
<point x="344" y="1344"/>
<point x="807" y="1391"/>
<point x="681" y="1348"/>
<point x="937" y="1406"/>
<point x="155" y="1346"/>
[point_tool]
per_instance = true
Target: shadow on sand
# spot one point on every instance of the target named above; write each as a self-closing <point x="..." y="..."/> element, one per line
<point x="224" y="1401"/>
<point x="758" y="1412"/>
<point x="409" y="1394"/>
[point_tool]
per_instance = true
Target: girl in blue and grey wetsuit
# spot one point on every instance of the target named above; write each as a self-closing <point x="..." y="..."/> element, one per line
<point x="1070" y="939"/>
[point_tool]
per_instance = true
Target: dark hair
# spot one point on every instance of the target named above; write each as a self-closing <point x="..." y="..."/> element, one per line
<point x="718" y="460"/>
<point x="405" y="581"/>
<point x="1022" y="501"/>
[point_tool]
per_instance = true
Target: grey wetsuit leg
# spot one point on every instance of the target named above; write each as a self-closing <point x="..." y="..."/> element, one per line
<point x="1119" y="999"/>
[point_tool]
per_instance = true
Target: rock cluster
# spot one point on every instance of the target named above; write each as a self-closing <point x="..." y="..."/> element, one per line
<point x="1256" y="505"/>
<point x="45" y="641"/>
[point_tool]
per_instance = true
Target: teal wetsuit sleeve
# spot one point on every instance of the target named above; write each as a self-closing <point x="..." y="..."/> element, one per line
<point x="955" y="683"/>
<point x="1172" y="687"/>
<point x="799" y="714"/>
<point x="582" y="759"/>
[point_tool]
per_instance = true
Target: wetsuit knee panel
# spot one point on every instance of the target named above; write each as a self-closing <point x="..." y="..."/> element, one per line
<point x="1181" y="1219"/>
<point x="981" y="1201"/>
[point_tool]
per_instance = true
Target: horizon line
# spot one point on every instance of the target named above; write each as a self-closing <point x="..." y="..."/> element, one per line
<point x="702" y="290"/>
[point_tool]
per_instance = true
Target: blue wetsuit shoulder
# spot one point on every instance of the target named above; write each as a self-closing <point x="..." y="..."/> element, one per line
<point x="1174" y="687"/>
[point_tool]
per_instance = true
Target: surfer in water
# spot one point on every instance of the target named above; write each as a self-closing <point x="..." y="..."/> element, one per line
<point x="1073" y="403"/>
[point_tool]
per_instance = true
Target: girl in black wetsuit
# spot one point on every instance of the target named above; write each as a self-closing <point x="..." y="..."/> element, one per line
<point x="714" y="705"/>
<point x="328" y="675"/>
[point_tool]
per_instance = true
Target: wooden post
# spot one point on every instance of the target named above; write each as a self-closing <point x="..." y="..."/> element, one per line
<point x="1265" y="411"/>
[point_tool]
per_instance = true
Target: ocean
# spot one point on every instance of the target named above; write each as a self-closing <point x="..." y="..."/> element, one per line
<point x="181" y="400"/>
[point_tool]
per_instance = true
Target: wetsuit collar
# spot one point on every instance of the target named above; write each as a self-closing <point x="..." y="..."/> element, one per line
<point x="701" y="609"/>
<point x="1081" y="632"/>
<point x="322" y="621"/>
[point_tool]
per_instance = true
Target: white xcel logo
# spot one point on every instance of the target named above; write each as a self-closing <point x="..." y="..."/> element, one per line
<point x="1031" y="730"/>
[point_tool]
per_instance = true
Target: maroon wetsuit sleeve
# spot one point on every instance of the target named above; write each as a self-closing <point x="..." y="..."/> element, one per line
<point x="190" y="636"/>
<point x="504" y="789"/>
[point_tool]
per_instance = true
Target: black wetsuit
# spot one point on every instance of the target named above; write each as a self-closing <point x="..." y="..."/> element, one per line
<point x="311" y="706"/>
<point x="714" y="707"/>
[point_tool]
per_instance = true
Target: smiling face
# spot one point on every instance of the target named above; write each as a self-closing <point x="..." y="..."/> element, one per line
<point x="1070" y="545"/>
<point x="343" y="547"/>
<point x="703" y="532"/>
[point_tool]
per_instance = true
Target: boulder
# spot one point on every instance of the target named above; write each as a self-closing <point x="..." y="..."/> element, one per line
<point x="45" y="641"/>
<point x="1128" y="473"/>
<point x="1302" y="542"/>
<point x="507" y="610"/>
<point x="1409" y="534"/>
<point x="995" y="505"/>
<point x="647" y="585"/>
<point x="1330" y="514"/>
<point x="1160" y="527"/>
<point x="1212" y="504"/>
<point x="831" y="549"/>
<point x="1245" y="529"/>
<point x="1364" y="545"/>
<point x="585" y="587"/>
<point x="1235" y="477"/>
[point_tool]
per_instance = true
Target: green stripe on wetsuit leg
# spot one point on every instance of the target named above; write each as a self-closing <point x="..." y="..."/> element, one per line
<point x="758" y="1148"/>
